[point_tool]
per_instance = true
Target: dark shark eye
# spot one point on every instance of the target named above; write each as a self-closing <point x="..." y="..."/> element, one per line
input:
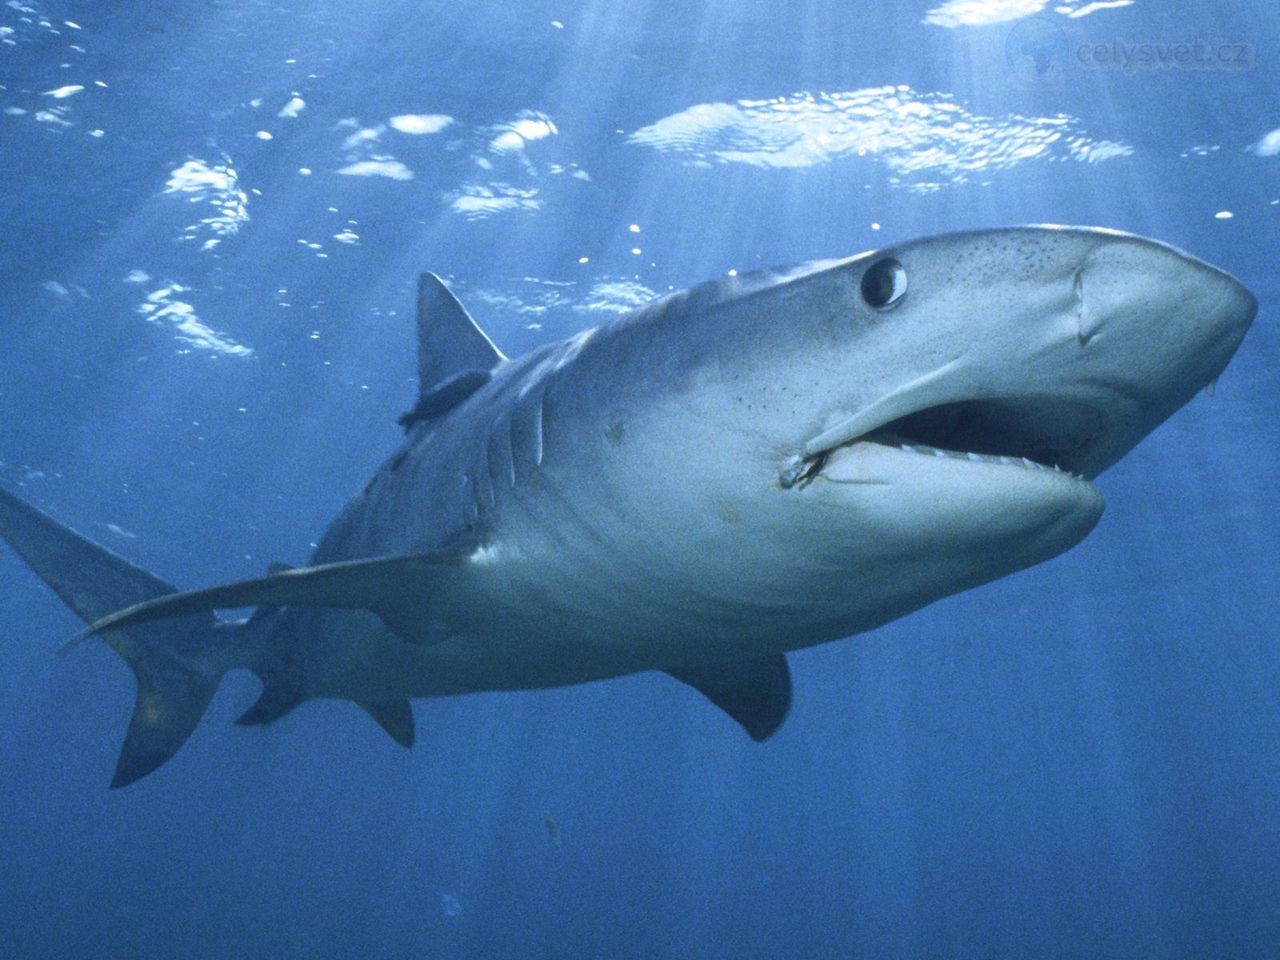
<point x="884" y="284"/>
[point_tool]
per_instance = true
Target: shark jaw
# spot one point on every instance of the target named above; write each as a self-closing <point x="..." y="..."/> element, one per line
<point x="1048" y="436"/>
<point x="963" y="492"/>
<point x="977" y="474"/>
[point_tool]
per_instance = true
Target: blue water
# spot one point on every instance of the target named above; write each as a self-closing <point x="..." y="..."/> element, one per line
<point x="208" y="256"/>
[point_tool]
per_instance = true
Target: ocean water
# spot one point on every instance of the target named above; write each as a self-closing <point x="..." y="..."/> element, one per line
<point x="213" y="215"/>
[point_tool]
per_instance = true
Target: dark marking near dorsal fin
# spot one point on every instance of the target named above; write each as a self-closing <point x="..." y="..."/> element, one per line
<point x="756" y="693"/>
<point x="393" y="716"/>
<point x="449" y="341"/>
<point x="445" y="397"/>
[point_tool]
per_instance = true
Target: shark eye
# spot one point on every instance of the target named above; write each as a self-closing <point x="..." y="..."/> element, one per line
<point x="884" y="284"/>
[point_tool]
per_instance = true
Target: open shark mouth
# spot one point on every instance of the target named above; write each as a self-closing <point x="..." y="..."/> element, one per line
<point x="1046" y="432"/>
<point x="1037" y="433"/>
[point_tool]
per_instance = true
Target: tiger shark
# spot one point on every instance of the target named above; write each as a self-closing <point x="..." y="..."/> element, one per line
<point x="750" y="467"/>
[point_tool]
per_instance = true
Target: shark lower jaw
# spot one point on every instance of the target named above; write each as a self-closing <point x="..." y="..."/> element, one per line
<point x="976" y="516"/>
<point x="1043" y="435"/>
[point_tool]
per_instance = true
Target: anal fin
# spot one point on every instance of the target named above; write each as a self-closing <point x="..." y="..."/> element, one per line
<point x="276" y="701"/>
<point x="393" y="716"/>
<point x="756" y="693"/>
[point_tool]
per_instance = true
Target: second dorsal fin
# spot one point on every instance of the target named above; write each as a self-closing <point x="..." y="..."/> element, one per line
<point x="449" y="341"/>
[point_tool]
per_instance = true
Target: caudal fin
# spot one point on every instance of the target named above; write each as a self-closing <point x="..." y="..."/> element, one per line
<point x="178" y="663"/>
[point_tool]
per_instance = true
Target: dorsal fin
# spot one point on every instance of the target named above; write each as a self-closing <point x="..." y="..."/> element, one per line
<point x="449" y="342"/>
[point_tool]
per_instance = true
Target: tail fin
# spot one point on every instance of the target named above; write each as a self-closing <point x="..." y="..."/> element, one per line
<point x="178" y="663"/>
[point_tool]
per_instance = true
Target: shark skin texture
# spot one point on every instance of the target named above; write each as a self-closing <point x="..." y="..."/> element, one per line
<point x="752" y="466"/>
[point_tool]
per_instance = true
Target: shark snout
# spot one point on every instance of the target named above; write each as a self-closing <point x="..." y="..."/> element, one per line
<point x="1237" y="305"/>
<point x="1215" y="308"/>
<point x="1160" y="322"/>
<point x="1154" y="325"/>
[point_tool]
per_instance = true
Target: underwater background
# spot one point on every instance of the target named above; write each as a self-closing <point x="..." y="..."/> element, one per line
<point x="213" y="216"/>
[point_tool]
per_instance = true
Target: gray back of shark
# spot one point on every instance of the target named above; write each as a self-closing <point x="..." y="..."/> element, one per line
<point x="750" y="467"/>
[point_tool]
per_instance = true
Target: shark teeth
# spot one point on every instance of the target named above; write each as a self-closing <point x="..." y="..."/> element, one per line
<point x="1022" y="462"/>
<point x="798" y="470"/>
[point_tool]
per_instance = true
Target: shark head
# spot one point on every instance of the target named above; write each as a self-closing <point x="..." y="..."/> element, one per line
<point x="966" y="389"/>
<point x="931" y="416"/>
<point x="1061" y="345"/>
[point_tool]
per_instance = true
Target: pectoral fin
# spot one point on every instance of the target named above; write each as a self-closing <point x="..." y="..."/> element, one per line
<point x="379" y="585"/>
<point x="756" y="693"/>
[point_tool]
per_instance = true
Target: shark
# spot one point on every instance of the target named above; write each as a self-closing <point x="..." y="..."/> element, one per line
<point x="747" y="468"/>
